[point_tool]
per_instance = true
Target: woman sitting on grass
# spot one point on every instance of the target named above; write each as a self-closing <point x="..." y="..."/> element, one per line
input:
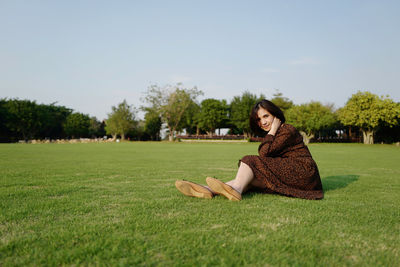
<point x="284" y="164"/>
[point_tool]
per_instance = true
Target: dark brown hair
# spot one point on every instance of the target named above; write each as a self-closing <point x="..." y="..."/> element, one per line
<point x="271" y="108"/>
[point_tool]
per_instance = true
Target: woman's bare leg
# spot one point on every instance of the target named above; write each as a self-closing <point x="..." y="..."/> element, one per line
<point x="244" y="178"/>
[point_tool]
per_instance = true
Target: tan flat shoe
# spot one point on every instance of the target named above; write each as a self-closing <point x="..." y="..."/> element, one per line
<point x="193" y="190"/>
<point x="221" y="188"/>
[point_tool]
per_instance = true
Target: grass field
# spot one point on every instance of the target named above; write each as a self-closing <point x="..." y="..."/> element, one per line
<point x="116" y="204"/>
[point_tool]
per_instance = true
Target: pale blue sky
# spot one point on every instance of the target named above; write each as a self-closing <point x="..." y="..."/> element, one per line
<point x="90" y="55"/>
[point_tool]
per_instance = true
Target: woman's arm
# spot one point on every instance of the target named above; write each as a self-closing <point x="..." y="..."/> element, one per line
<point x="277" y="140"/>
<point x="276" y="123"/>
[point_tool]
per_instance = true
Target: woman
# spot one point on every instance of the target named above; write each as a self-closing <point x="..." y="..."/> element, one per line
<point x="284" y="164"/>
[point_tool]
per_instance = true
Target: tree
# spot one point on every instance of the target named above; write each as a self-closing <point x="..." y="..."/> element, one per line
<point x="190" y="120"/>
<point x="282" y="102"/>
<point x="96" y="128"/>
<point x="212" y="114"/>
<point x="5" y="133"/>
<point x="240" y="109"/>
<point x="171" y="102"/>
<point x="121" y="120"/>
<point x="22" y="118"/>
<point x="388" y="134"/>
<point x="77" y="125"/>
<point x="367" y="111"/>
<point x="26" y="119"/>
<point x="138" y="133"/>
<point x="310" y="118"/>
<point x="51" y="120"/>
<point x="152" y="124"/>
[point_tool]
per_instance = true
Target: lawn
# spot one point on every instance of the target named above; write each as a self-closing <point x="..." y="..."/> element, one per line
<point x="116" y="204"/>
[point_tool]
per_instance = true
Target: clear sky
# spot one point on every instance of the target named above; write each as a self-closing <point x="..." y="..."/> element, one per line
<point x="90" y="55"/>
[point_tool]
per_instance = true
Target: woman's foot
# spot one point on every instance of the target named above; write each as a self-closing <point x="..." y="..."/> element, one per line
<point x="223" y="189"/>
<point x="193" y="190"/>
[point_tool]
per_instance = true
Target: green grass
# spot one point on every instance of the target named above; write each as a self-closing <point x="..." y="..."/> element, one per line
<point x="116" y="204"/>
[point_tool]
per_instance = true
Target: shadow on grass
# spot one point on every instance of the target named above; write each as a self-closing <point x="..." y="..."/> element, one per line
<point x="336" y="182"/>
<point x="328" y="183"/>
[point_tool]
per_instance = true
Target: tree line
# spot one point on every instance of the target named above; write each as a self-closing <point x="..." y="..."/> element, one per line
<point x="25" y="120"/>
<point x="375" y="118"/>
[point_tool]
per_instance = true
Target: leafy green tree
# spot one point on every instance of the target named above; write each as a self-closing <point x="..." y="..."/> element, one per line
<point x="212" y="114"/>
<point x="26" y="119"/>
<point x="240" y="109"/>
<point x="22" y="118"/>
<point x="5" y="133"/>
<point x="311" y="118"/>
<point x="121" y="120"/>
<point x="152" y="124"/>
<point x="367" y="111"/>
<point x="96" y="128"/>
<point x="171" y="103"/>
<point x="190" y="120"/>
<point x="51" y="119"/>
<point x="388" y="134"/>
<point x="282" y="102"/>
<point x="138" y="133"/>
<point x="77" y="125"/>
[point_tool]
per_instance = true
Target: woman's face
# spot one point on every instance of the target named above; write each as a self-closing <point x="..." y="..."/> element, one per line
<point x="265" y="119"/>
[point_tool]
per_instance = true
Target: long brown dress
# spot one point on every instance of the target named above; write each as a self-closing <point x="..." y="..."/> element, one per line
<point x="285" y="166"/>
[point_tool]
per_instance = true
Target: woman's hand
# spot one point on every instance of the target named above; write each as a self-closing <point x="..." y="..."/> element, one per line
<point x="275" y="126"/>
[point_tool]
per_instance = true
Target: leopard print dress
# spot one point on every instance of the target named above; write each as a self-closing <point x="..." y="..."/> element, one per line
<point x="285" y="165"/>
